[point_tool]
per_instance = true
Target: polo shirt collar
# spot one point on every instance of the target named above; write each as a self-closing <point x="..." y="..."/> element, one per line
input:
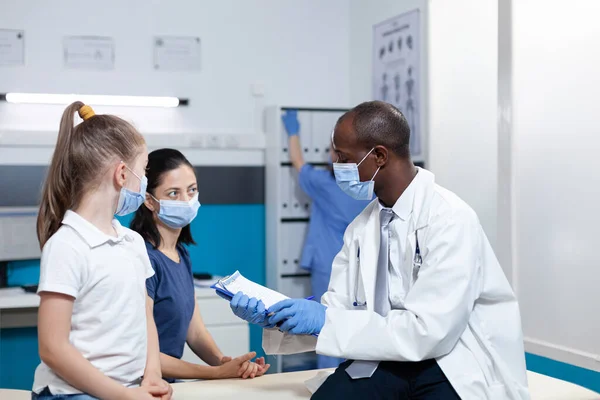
<point x="93" y="236"/>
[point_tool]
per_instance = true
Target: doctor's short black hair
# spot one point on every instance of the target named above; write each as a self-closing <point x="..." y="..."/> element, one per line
<point x="379" y="123"/>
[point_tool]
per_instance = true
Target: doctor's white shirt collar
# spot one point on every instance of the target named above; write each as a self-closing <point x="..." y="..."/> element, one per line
<point x="93" y="236"/>
<point x="404" y="205"/>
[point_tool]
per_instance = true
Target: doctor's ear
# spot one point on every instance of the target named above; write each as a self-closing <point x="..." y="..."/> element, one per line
<point x="381" y="155"/>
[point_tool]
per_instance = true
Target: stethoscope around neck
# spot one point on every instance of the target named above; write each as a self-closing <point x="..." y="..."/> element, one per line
<point x="417" y="262"/>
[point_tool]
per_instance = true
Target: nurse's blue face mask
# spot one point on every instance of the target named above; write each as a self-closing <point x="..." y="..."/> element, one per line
<point x="176" y="214"/>
<point x="130" y="201"/>
<point x="348" y="179"/>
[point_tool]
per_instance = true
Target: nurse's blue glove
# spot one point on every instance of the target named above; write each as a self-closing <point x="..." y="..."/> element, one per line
<point x="250" y="309"/>
<point x="299" y="316"/>
<point x="290" y="122"/>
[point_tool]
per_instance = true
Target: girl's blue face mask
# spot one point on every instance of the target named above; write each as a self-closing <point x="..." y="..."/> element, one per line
<point x="177" y="214"/>
<point x="348" y="179"/>
<point x="130" y="201"/>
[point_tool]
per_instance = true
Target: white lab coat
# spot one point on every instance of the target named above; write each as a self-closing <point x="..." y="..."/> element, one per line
<point x="459" y="309"/>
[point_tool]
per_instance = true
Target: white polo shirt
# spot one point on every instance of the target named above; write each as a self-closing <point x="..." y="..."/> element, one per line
<point x="107" y="277"/>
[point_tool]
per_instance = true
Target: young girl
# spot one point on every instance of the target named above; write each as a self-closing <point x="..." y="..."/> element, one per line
<point x="97" y="337"/>
<point x="171" y="205"/>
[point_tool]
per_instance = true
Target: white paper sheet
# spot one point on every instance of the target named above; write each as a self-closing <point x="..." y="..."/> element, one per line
<point x="237" y="283"/>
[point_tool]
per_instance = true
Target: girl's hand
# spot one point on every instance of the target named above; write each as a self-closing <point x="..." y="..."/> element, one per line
<point x="148" y="393"/>
<point x="156" y="383"/>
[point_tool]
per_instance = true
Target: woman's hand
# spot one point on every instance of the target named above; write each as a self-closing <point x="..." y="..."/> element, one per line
<point x="262" y="366"/>
<point x="245" y="370"/>
<point x="254" y="369"/>
<point x="232" y="368"/>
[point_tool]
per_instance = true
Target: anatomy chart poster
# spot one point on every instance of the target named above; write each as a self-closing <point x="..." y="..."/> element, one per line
<point x="396" y="70"/>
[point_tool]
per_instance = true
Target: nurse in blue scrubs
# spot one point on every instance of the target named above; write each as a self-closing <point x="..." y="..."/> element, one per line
<point x="331" y="213"/>
<point x="163" y="221"/>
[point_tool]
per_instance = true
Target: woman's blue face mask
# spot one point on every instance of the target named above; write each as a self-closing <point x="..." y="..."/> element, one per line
<point x="176" y="214"/>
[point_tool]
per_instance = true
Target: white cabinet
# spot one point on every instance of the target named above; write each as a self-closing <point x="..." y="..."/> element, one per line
<point x="232" y="340"/>
<point x="231" y="334"/>
<point x="284" y="192"/>
<point x="296" y="286"/>
<point x="299" y="200"/>
<point x="305" y="120"/>
<point x="293" y="235"/>
<point x="322" y="127"/>
<point x="305" y="134"/>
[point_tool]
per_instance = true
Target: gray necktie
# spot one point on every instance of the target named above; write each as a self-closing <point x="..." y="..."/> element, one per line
<point x="365" y="369"/>
<point x="382" y="299"/>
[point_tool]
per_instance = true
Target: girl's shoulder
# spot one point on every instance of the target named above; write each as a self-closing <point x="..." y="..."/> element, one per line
<point x="67" y="240"/>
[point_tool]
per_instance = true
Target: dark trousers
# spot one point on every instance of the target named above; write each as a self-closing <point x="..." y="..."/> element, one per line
<point x="47" y="395"/>
<point x="393" y="380"/>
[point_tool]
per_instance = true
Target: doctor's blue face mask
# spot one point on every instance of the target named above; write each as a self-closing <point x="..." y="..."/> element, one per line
<point x="130" y="201"/>
<point x="348" y="179"/>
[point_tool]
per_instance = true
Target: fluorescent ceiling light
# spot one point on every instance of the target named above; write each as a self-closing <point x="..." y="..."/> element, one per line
<point x="94" y="100"/>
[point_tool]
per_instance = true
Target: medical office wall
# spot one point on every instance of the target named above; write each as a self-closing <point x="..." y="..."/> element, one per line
<point x="460" y="93"/>
<point x="252" y="53"/>
<point x="459" y="123"/>
<point x="555" y="178"/>
<point x="279" y="50"/>
<point x="551" y="258"/>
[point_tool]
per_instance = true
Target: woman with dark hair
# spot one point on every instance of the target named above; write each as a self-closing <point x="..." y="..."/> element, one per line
<point x="164" y="223"/>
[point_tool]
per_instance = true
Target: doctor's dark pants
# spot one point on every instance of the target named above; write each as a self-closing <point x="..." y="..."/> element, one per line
<point x="393" y="380"/>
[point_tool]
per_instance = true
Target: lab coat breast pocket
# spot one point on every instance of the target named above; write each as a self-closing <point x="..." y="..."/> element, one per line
<point x="356" y="286"/>
<point x="416" y="259"/>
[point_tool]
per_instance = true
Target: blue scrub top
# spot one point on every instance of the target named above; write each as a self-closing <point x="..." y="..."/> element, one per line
<point x="172" y="289"/>
<point x="332" y="212"/>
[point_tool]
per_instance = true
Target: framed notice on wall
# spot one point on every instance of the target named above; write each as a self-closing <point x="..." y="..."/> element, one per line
<point x="177" y="53"/>
<point x="12" y="47"/>
<point x="397" y="70"/>
<point x="89" y="52"/>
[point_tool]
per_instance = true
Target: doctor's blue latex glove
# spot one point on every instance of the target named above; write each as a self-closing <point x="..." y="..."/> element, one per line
<point x="299" y="316"/>
<point x="290" y="122"/>
<point x="250" y="309"/>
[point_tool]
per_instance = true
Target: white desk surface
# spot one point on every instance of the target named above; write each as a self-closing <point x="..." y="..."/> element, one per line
<point x="291" y="387"/>
<point x="277" y="386"/>
<point x="11" y="298"/>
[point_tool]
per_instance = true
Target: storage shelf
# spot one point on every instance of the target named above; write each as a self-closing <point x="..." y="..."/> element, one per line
<point x="292" y="220"/>
<point x="287" y="210"/>
<point x="298" y="275"/>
